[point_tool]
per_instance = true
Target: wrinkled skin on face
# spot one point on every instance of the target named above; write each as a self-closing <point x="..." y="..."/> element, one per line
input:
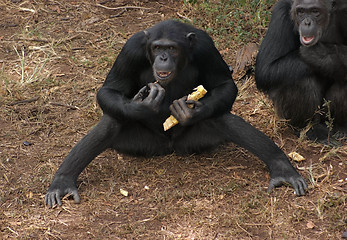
<point x="165" y="54"/>
<point x="311" y="18"/>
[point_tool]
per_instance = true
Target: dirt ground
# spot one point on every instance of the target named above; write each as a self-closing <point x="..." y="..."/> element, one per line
<point x="54" y="56"/>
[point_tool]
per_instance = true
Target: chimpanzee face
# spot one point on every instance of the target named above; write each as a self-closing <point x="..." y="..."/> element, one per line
<point x="311" y="18"/>
<point x="165" y="56"/>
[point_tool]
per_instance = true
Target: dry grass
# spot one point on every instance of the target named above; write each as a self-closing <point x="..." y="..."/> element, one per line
<point x="54" y="56"/>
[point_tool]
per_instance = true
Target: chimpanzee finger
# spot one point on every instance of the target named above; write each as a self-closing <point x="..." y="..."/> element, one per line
<point x="275" y="182"/>
<point x="52" y="199"/>
<point x="176" y="110"/>
<point x="140" y="95"/>
<point x="153" y="91"/>
<point x="75" y="195"/>
<point x="48" y="200"/>
<point x="183" y="105"/>
<point x="194" y="103"/>
<point x="184" y="111"/>
<point x="302" y="187"/>
<point x="160" y="94"/>
<point x="58" y="199"/>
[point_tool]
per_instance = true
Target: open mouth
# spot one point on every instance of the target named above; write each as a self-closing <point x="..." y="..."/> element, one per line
<point x="163" y="75"/>
<point x="307" y="40"/>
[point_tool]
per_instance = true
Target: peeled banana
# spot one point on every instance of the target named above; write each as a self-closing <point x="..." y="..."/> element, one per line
<point x="199" y="92"/>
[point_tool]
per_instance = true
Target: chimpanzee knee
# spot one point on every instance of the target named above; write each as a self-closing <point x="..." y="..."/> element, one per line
<point x="336" y="97"/>
<point x="297" y="102"/>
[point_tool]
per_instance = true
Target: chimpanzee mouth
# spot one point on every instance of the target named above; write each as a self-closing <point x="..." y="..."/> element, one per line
<point x="163" y="75"/>
<point x="307" y="40"/>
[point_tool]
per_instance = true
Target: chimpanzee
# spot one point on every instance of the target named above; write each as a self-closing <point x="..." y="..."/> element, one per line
<point x="150" y="79"/>
<point x="302" y="66"/>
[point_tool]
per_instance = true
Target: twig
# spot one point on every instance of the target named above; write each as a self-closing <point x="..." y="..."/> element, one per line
<point x="184" y="17"/>
<point x="69" y="39"/>
<point x="27" y="10"/>
<point x="33" y="40"/>
<point x="106" y="1"/>
<point x="243" y="229"/>
<point x="12" y="231"/>
<point x="48" y="41"/>
<point x="77" y="48"/>
<point x="24" y="101"/>
<point x="124" y="7"/>
<point x="64" y="105"/>
<point x="117" y="15"/>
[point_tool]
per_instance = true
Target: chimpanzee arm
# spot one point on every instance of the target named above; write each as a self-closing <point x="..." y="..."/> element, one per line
<point x="326" y="58"/>
<point x="280" y="168"/>
<point x="123" y="83"/>
<point x="143" y="105"/>
<point x="95" y="142"/>
<point x="278" y="61"/>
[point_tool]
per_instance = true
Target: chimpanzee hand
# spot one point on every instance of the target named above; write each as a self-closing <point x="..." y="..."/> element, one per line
<point x="294" y="179"/>
<point x="324" y="57"/>
<point x="186" y="112"/>
<point x="61" y="186"/>
<point x="150" y="96"/>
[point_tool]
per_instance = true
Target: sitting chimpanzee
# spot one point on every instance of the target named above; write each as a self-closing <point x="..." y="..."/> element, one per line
<point x="150" y="80"/>
<point x="302" y="66"/>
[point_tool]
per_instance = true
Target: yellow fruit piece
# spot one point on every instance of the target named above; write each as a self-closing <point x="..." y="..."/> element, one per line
<point x="124" y="192"/>
<point x="170" y="122"/>
<point x="199" y="92"/>
<point x="296" y="156"/>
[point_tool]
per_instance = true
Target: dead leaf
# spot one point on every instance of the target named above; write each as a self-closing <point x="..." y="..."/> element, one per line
<point x="245" y="59"/>
<point x="310" y="225"/>
<point x="296" y="157"/>
<point x="29" y="195"/>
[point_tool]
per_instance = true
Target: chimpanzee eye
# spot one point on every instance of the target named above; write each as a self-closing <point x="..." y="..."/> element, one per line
<point x="315" y="12"/>
<point x="155" y="48"/>
<point x="299" y="10"/>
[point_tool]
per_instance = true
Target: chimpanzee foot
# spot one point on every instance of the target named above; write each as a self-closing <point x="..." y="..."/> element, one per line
<point x="340" y="135"/>
<point x="298" y="183"/>
<point x="321" y="134"/>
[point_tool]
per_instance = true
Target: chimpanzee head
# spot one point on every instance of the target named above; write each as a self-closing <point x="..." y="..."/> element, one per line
<point x="311" y="18"/>
<point x="168" y="50"/>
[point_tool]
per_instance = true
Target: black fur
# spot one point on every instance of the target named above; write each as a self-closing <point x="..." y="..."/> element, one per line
<point x="300" y="79"/>
<point x="135" y="108"/>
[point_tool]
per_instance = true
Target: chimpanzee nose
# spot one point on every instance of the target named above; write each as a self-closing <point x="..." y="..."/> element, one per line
<point x="307" y="21"/>
<point x="163" y="57"/>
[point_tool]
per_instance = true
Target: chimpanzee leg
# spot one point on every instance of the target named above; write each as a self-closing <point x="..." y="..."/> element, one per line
<point x="299" y="103"/>
<point x="336" y="97"/>
<point x="281" y="170"/>
<point x="95" y="142"/>
<point x="213" y="132"/>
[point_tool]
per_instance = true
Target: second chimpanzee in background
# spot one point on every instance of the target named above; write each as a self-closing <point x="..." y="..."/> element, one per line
<point x="150" y="80"/>
<point x="302" y="66"/>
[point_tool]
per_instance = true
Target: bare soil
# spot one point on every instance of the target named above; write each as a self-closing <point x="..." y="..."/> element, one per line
<point x="54" y="56"/>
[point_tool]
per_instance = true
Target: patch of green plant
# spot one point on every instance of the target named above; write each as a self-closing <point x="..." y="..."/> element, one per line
<point x="108" y="60"/>
<point x="31" y="32"/>
<point x="25" y="77"/>
<point x="229" y="20"/>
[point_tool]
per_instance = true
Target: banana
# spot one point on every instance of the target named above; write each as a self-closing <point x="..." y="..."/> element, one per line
<point x="199" y="92"/>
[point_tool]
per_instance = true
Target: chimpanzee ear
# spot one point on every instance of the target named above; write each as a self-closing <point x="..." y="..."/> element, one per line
<point x="192" y="38"/>
<point x="146" y="34"/>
